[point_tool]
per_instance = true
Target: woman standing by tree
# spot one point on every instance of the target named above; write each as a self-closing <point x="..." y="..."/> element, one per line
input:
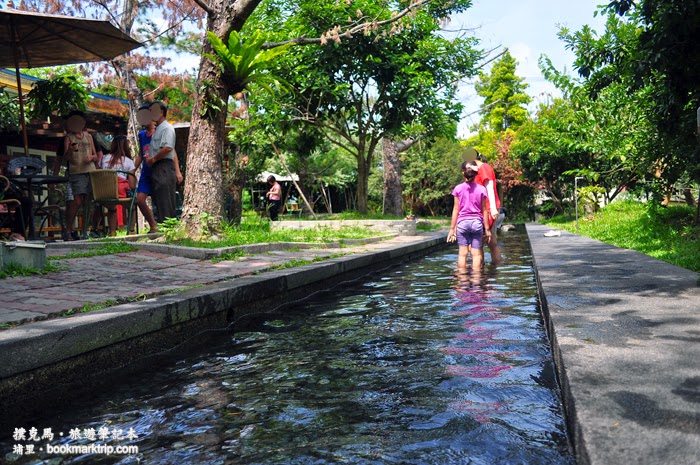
<point x="274" y="197"/>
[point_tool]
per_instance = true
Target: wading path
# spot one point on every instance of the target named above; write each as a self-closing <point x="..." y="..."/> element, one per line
<point x="626" y="338"/>
<point x="127" y="309"/>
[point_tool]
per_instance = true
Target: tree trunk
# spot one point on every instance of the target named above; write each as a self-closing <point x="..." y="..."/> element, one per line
<point x="392" y="179"/>
<point x="134" y="94"/>
<point x="204" y="189"/>
<point x="236" y="186"/>
<point x="326" y="193"/>
<point x="362" y="185"/>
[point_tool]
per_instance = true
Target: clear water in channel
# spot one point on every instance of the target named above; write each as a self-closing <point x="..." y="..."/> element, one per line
<point x="414" y="364"/>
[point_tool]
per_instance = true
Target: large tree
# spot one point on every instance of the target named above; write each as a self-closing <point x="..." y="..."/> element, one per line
<point x="359" y="90"/>
<point x="503" y="91"/>
<point x="503" y="111"/>
<point x="653" y="49"/>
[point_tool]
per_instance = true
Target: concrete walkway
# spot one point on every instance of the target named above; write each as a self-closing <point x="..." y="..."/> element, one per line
<point x="626" y="337"/>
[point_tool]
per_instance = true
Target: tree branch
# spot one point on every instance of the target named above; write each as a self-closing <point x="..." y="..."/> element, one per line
<point x="492" y="58"/>
<point x="406" y="144"/>
<point x="338" y="33"/>
<point x="205" y="6"/>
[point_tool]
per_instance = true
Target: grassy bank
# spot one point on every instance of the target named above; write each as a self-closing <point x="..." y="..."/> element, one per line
<point x="667" y="234"/>
<point x="260" y="232"/>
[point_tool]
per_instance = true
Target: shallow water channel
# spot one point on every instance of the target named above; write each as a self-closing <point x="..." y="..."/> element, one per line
<point x="413" y="364"/>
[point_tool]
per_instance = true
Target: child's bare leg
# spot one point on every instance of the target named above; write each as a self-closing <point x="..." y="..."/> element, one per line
<point x="462" y="259"/>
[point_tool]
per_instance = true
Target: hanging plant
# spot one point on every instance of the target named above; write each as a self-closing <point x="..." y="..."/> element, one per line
<point x="58" y="95"/>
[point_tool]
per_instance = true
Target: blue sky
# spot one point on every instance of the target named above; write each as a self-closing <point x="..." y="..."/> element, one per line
<point x="528" y="28"/>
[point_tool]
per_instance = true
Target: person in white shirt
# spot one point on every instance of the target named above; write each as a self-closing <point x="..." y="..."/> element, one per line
<point x="161" y="161"/>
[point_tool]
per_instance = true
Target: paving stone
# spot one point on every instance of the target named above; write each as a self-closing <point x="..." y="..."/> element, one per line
<point x="19" y="316"/>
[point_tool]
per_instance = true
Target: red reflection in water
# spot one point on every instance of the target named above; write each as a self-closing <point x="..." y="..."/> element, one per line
<point x="476" y="333"/>
<point x="480" y="411"/>
<point x="477" y="309"/>
<point x="480" y="343"/>
<point x="477" y="371"/>
<point x="478" y="351"/>
<point x="483" y="319"/>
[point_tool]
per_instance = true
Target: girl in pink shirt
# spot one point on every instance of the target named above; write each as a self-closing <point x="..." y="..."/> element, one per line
<point x="468" y="218"/>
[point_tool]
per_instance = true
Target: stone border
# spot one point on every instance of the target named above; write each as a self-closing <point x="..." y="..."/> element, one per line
<point x="623" y="328"/>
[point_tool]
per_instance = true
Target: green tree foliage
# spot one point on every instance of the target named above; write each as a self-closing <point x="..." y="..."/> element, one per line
<point x="430" y="172"/>
<point x="58" y="95"/>
<point x="178" y="91"/>
<point x="245" y="63"/>
<point x="667" y="50"/>
<point x="652" y="52"/>
<point x="505" y="100"/>
<point x="548" y="146"/>
<point x="358" y="89"/>
<point x="9" y="112"/>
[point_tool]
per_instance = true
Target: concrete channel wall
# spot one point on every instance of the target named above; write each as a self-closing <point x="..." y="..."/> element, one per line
<point x="625" y="332"/>
<point x="52" y="360"/>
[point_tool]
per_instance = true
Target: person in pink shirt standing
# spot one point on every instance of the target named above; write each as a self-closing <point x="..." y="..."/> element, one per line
<point x="274" y="197"/>
<point x="487" y="178"/>
<point x="468" y="215"/>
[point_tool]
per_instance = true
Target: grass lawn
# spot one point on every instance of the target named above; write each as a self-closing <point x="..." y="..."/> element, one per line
<point x="665" y="233"/>
<point x="252" y="231"/>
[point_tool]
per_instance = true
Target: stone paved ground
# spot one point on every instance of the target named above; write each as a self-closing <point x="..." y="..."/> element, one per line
<point x="140" y="274"/>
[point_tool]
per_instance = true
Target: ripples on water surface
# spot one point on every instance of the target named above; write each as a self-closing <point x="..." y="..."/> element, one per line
<point x="413" y="365"/>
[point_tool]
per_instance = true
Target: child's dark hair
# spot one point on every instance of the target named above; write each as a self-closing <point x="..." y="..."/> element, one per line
<point x="469" y="170"/>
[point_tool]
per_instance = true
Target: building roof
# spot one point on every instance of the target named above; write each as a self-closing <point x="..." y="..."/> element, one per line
<point x="262" y="177"/>
<point x="106" y="113"/>
<point x="8" y="80"/>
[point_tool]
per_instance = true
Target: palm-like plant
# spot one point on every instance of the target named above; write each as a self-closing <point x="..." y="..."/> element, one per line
<point x="245" y="63"/>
